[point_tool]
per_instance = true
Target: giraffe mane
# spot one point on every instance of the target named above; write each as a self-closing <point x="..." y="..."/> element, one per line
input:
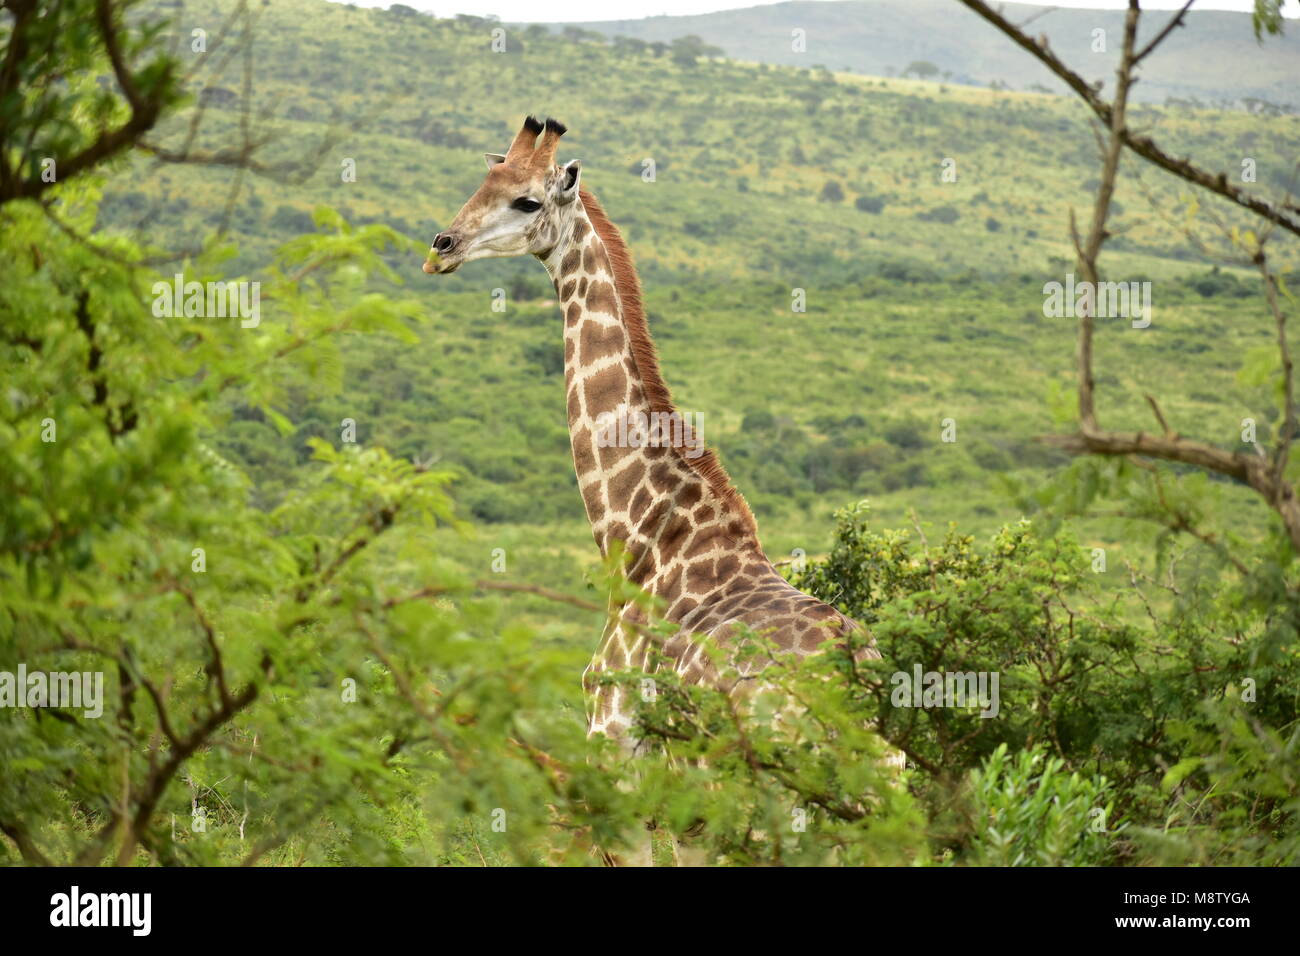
<point x="646" y="357"/>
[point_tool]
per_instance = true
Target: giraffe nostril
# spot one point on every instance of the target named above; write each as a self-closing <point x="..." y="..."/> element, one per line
<point x="443" y="242"/>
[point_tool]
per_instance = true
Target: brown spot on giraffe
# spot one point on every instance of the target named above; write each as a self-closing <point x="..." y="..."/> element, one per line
<point x="601" y="298"/>
<point x="625" y="484"/>
<point x="600" y="342"/>
<point x="605" y="390"/>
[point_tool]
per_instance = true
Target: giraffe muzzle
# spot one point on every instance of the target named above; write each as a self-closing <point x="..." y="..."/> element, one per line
<point x="436" y="263"/>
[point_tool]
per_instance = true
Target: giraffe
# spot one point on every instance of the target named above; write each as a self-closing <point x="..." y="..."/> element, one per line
<point x="689" y="537"/>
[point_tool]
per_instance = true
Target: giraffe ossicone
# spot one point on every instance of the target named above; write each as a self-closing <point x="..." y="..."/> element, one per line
<point x="690" y="538"/>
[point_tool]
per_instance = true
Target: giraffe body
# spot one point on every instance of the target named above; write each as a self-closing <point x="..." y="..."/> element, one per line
<point x="690" y="538"/>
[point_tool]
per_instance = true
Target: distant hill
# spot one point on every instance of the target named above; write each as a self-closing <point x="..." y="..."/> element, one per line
<point x="1214" y="58"/>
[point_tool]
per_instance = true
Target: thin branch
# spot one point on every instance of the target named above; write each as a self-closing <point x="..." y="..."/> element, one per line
<point x="161" y="776"/>
<point x="1160" y="416"/>
<point x="1174" y="22"/>
<point x="216" y="667"/>
<point x="547" y="593"/>
<point x="643" y="630"/>
<point x="1182" y="522"/>
<point x="108" y="254"/>
<point x="1248" y="469"/>
<point x="29" y="851"/>
<point x="1087" y="250"/>
<point x="1032" y="17"/>
<point x="105" y="17"/>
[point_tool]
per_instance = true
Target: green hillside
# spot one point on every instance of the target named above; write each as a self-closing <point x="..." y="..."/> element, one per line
<point x="920" y="293"/>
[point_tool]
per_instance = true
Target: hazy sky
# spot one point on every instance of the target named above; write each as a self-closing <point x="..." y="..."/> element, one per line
<point x="570" y="10"/>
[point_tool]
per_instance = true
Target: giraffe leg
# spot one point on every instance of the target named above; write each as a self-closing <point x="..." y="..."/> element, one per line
<point x="684" y="854"/>
<point x="640" y="851"/>
<point x="689" y="847"/>
<point x="640" y="842"/>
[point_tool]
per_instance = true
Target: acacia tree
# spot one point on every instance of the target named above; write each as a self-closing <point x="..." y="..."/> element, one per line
<point x="1266" y="474"/>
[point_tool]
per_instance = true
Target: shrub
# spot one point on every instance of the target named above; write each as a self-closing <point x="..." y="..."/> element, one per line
<point x="1195" y="770"/>
<point x="832" y="192"/>
<point x="1030" y="811"/>
<point x="944" y="214"/>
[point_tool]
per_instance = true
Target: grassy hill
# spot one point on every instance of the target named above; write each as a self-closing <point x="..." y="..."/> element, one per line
<point x="1201" y="61"/>
<point x="924" y="296"/>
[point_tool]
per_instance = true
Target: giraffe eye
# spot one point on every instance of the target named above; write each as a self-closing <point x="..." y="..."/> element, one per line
<point x="524" y="204"/>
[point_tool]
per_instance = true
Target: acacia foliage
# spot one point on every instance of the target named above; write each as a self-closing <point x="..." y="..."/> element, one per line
<point x="1174" y="703"/>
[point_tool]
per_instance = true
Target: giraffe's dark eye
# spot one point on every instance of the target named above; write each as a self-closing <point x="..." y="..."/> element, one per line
<point x="524" y="204"/>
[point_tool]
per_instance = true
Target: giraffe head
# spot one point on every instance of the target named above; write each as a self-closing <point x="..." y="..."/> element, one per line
<point x="522" y="206"/>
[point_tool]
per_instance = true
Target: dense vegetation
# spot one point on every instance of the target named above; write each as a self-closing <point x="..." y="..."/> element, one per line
<point x="301" y="664"/>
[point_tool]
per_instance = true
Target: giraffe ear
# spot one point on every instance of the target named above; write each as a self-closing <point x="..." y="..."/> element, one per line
<point x="566" y="184"/>
<point x="494" y="159"/>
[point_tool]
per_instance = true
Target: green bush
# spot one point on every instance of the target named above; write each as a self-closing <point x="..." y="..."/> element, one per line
<point x="1031" y="812"/>
<point x="1086" y="684"/>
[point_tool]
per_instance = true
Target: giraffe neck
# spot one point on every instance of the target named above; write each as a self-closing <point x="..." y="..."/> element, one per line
<point x="633" y="484"/>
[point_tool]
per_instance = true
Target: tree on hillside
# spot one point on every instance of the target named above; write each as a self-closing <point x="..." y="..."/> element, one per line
<point x="580" y="35"/>
<point x="629" y="46"/>
<point x="687" y="50"/>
